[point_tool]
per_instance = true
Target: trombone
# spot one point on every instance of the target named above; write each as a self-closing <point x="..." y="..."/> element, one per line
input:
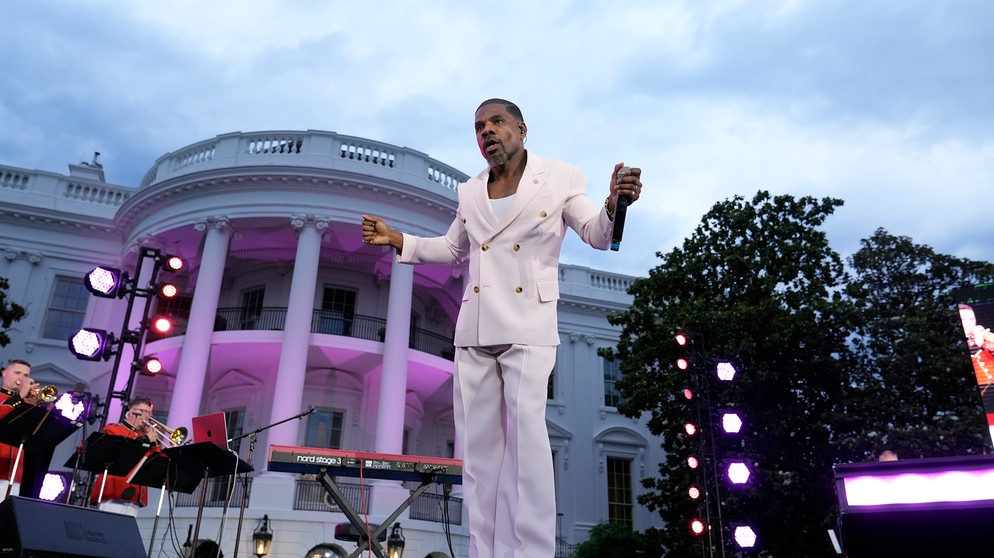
<point x="45" y="394"/>
<point x="176" y="436"/>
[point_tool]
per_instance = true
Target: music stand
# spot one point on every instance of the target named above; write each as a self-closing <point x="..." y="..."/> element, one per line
<point x="31" y="430"/>
<point x="109" y="454"/>
<point x="207" y="460"/>
<point x="154" y="470"/>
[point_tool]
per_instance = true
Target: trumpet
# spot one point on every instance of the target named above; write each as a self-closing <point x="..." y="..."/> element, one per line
<point x="45" y="394"/>
<point x="176" y="436"/>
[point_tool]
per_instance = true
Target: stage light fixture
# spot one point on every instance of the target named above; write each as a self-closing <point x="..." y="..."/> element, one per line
<point x="55" y="486"/>
<point x="688" y="394"/>
<point x="106" y="282"/>
<point x="726" y="371"/>
<point x="743" y="535"/>
<point x="731" y="422"/>
<point x="693" y="462"/>
<point x="697" y="527"/>
<point x="92" y="344"/>
<point x="737" y="472"/>
<point x="170" y="263"/>
<point x="690" y="429"/>
<point x="168" y="290"/>
<point x="694" y="492"/>
<point x="160" y="325"/>
<point x="148" y="366"/>
<point x="681" y="339"/>
<point x="70" y="405"/>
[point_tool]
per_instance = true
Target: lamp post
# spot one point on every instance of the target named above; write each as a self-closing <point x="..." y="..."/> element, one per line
<point x="395" y="543"/>
<point x="262" y="538"/>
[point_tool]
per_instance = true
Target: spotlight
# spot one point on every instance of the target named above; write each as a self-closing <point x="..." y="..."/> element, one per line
<point x="731" y="422"/>
<point x="693" y="462"/>
<point x="726" y="371"/>
<point x="148" y="366"/>
<point x="681" y="339"/>
<point x="688" y="394"/>
<point x="70" y="405"/>
<point x="743" y="535"/>
<point x="92" y="344"/>
<point x="694" y="492"/>
<point x="168" y="290"/>
<point x="690" y="429"/>
<point x="697" y="527"/>
<point x="54" y="487"/>
<point x="106" y="282"/>
<point x="161" y="325"/>
<point x="170" y="263"/>
<point x="737" y="472"/>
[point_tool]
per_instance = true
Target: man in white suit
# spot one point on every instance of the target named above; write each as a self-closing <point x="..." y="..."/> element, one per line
<point x="510" y="223"/>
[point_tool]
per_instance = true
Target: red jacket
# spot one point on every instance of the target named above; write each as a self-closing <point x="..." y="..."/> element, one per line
<point x="118" y="488"/>
<point x="9" y="453"/>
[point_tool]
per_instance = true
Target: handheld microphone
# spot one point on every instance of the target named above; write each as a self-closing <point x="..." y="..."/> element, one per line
<point x="619" y="214"/>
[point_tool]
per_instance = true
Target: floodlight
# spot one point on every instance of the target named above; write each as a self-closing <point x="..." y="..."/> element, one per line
<point x="688" y="394"/>
<point x="70" y="405"/>
<point x="693" y="462"/>
<point x="694" y="492"/>
<point x="55" y="486"/>
<point x="682" y="363"/>
<point x="160" y="325"/>
<point x="148" y="366"/>
<point x="697" y="526"/>
<point x="726" y="371"/>
<point x="168" y="290"/>
<point x="731" y="422"/>
<point x="737" y="472"/>
<point x="743" y="535"/>
<point x="170" y="262"/>
<point x="681" y="339"/>
<point x="106" y="282"/>
<point x="92" y="344"/>
<point x="690" y="429"/>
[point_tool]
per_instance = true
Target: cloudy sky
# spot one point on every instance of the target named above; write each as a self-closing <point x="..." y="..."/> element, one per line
<point x="888" y="105"/>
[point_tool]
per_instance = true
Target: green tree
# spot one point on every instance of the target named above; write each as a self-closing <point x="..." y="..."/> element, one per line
<point x="914" y="391"/>
<point x="610" y="540"/>
<point x="758" y="281"/>
<point x="10" y="312"/>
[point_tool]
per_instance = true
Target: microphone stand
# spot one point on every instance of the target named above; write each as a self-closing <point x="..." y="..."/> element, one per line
<point x="253" y="436"/>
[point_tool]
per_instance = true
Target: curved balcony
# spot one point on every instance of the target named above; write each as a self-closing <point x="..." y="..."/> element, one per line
<point x="370" y="328"/>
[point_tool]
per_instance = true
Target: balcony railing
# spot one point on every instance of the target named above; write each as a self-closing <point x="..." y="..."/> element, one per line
<point x="216" y="494"/>
<point x="329" y="323"/>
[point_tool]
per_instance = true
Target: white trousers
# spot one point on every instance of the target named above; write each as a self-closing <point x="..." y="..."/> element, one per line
<point x="14" y="491"/>
<point x="508" y="479"/>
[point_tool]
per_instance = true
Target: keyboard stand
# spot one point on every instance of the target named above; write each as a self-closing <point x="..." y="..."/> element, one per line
<point x="360" y="526"/>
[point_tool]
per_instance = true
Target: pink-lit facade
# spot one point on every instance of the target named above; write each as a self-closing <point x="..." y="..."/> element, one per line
<point x="283" y="309"/>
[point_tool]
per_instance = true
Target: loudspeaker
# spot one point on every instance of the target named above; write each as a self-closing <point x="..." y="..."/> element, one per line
<point x="38" y="529"/>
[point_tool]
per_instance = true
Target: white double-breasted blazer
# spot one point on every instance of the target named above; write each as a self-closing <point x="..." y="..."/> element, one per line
<point x="513" y="287"/>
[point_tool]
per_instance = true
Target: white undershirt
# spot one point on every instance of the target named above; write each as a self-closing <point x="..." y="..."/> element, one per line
<point x="501" y="205"/>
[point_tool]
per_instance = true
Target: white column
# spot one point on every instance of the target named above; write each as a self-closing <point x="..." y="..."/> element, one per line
<point x="191" y="372"/>
<point x="270" y="489"/>
<point x="393" y="377"/>
<point x="297" y="331"/>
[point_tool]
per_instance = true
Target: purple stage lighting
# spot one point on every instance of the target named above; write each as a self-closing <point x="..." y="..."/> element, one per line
<point x="90" y="344"/>
<point x="726" y="371"/>
<point x="731" y="423"/>
<point x="104" y="282"/>
<point x="744" y="536"/>
<point x="737" y="472"/>
<point x="54" y="487"/>
<point x="69" y="409"/>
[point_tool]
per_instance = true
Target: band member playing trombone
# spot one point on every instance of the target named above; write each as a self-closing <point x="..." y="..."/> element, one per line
<point x="118" y="495"/>
<point x="18" y="389"/>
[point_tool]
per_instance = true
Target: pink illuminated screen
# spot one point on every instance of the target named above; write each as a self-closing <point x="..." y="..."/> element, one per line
<point x="920" y="488"/>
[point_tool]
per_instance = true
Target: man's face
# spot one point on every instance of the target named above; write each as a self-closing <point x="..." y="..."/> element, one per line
<point x="138" y="414"/>
<point x="15" y="375"/>
<point x="498" y="134"/>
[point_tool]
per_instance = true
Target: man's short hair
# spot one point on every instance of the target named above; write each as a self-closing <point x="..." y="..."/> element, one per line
<point x="140" y="400"/>
<point x="511" y="107"/>
<point x="17" y="361"/>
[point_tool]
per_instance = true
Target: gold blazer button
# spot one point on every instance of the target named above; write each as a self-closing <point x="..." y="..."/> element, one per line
<point x="476" y="289"/>
<point x="517" y="247"/>
<point x="518" y="289"/>
<point x="485" y="247"/>
<point x="543" y="214"/>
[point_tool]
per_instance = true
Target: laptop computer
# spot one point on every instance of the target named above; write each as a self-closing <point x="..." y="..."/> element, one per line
<point x="211" y="428"/>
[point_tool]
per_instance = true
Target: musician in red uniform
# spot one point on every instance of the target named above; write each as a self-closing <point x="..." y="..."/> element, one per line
<point x="118" y="495"/>
<point x="16" y="391"/>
